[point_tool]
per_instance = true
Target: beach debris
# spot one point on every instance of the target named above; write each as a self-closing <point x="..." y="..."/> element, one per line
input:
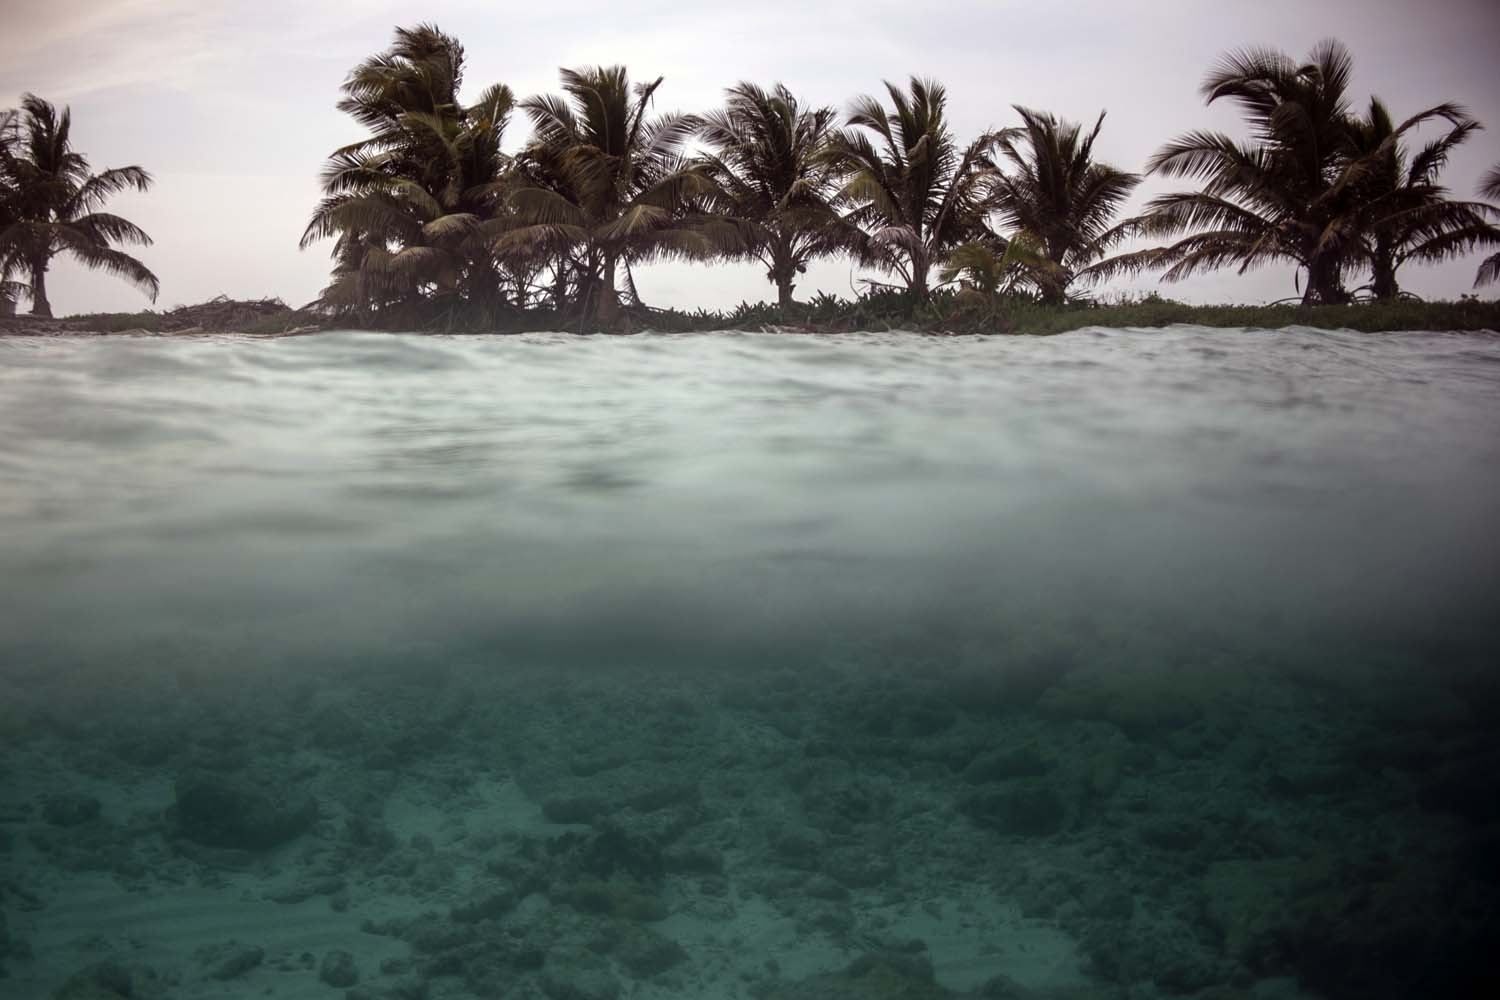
<point x="221" y="314"/>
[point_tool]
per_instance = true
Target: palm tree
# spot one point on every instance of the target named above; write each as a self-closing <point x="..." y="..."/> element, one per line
<point x="1060" y="199"/>
<point x="768" y="159"/>
<point x="414" y="205"/>
<point x="1405" y="213"/>
<point x="604" y="186"/>
<point x="1290" y="194"/>
<point x="55" y="206"/>
<point x="983" y="273"/>
<point x="1489" y="270"/>
<point x="916" y="195"/>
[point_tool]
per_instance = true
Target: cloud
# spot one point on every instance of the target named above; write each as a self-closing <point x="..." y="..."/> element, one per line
<point x="68" y="48"/>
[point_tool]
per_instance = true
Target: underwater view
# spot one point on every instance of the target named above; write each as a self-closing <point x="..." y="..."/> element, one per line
<point x="1120" y="664"/>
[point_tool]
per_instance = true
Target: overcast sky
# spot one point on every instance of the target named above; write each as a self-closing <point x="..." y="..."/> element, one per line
<point x="231" y="104"/>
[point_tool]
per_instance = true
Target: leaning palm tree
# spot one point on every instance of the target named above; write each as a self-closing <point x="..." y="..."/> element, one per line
<point x="605" y="186"/>
<point x="1291" y="194"/>
<point x="55" y="204"/>
<point x="1489" y="270"/>
<point x="395" y="93"/>
<point x="1405" y="214"/>
<point x="767" y="157"/>
<point x="413" y="206"/>
<point x="916" y="195"/>
<point x="1060" y="200"/>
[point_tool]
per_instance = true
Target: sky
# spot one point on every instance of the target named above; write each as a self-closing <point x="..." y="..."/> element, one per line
<point x="230" y="105"/>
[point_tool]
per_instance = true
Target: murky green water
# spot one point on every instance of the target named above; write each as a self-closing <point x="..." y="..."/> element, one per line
<point x="1114" y="664"/>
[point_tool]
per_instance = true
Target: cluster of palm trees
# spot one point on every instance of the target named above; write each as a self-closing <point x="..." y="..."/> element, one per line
<point x="430" y="217"/>
<point x="423" y="224"/>
<point x="1331" y="191"/>
<point x="433" y="222"/>
<point x="51" y="203"/>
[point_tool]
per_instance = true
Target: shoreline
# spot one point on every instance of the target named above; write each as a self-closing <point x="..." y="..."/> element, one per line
<point x="271" y="319"/>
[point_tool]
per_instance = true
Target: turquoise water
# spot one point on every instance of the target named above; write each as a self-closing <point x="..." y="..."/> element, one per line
<point x="1115" y="664"/>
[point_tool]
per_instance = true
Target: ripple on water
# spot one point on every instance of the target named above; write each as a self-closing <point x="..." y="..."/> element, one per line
<point x="1122" y="463"/>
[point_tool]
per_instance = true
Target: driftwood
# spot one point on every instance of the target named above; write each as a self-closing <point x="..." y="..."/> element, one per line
<point x="222" y="314"/>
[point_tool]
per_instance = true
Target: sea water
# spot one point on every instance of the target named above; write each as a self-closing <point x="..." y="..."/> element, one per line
<point x="1120" y="663"/>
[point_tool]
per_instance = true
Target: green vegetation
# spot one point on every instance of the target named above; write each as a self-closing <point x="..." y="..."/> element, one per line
<point x="415" y="206"/>
<point x="949" y="311"/>
<point x="914" y="196"/>
<point x="604" y="186"/>
<point x="436" y="227"/>
<point x="1318" y="187"/>
<point x="50" y="204"/>
<point x="1061" y="200"/>
<point x="1489" y="271"/>
<point x="772" y="179"/>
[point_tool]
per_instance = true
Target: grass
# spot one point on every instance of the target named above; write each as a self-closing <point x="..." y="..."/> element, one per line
<point x="947" y="312"/>
<point x="1366" y="317"/>
<point x="950" y="312"/>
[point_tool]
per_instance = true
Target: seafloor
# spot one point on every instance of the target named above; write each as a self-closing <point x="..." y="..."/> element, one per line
<point x="909" y="823"/>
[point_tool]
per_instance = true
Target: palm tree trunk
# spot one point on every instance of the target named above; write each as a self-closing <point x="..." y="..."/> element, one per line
<point x="39" y="304"/>
<point x="784" y="288"/>
<point x="560" y="285"/>
<point x="1054" y="289"/>
<point x="918" y="284"/>
<point x="607" y="304"/>
<point x="1323" y="286"/>
<point x="1053" y="292"/>
<point x="783" y="272"/>
<point x="1384" y="284"/>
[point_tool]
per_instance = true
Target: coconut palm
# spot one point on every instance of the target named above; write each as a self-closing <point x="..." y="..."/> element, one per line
<point x="1404" y="212"/>
<point x="604" y="186"/>
<point x="1291" y="194"/>
<point x="400" y="245"/>
<point x="767" y="156"/>
<point x="982" y="272"/>
<point x="394" y="93"/>
<point x="1060" y="199"/>
<point x="916" y="195"/>
<point x="414" y="205"/>
<point x="55" y="204"/>
<point x="1489" y="270"/>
